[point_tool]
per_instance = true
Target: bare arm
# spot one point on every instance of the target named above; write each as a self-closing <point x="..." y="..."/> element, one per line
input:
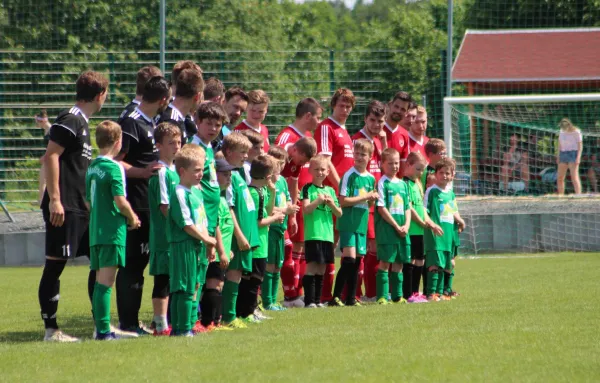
<point x="308" y="207"/>
<point x="333" y="176"/>
<point x="164" y="209"/>
<point x="337" y="211"/>
<point x="387" y="217"/>
<point x="238" y="234"/>
<point x="126" y="210"/>
<point x="351" y="201"/>
<point x="579" y="151"/>
<point x="52" y="169"/>
<point x="459" y="220"/>
<point x="203" y="236"/>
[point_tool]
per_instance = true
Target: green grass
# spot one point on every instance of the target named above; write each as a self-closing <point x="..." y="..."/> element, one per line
<point x="519" y="319"/>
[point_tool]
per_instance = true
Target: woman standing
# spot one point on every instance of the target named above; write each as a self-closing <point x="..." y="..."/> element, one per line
<point x="570" y="146"/>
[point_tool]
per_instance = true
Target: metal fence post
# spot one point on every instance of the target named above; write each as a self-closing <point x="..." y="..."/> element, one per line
<point x="162" y="34"/>
<point x="331" y="71"/>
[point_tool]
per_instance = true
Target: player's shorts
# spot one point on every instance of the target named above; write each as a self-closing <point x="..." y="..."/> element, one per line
<point x="441" y="259"/>
<point x="242" y="260"/>
<point x="455" y="252"/>
<point x="107" y="256"/>
<point x="417" y="249"/>
<point x="259" y="267"/>
<point x="70" y="240"/>
<point x="214" y="271"/>
<point x="356" y="240"/>
<point x="371" y="226"/>
<point x="276" y="248"/>
<point x="299" y="236"/>
<point x="201" y="272"/>
<point x="320" y="252"/>
<point x="183" y="267"/>
<point x="159" y="262"/>
<point x="398" y="253"/>
<point x="138" y="239"/>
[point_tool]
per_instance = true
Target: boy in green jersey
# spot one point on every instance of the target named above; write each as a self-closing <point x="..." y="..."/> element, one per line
<point x="244" y="215"/>
<point x="276" y="246"/>
<point x="257" y="149"/>
<point x="215" y="274"/>
<point x="435" y="150"/>
<point x="261" y="188"/>
<point x="392" y="221"/>
<point x="357" y="194"/>
<point x="209" y="119"/>
<point x="110" y="214"/>
<point x="413" y="170"/>
<point x="440" y="203"/>
<point x="319" y="203"/>
<point x="187" y="225"/>
<point x="160" y="188"/>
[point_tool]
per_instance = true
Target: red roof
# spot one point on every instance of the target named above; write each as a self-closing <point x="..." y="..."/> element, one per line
<point x="528" y="55"/>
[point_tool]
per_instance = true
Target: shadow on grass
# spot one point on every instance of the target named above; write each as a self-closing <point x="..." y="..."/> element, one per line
<point x="80" y="326"/>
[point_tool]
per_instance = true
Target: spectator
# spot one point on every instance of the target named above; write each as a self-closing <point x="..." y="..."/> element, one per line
<point x="570" y="146"/>
<point x="515" y="168"/>
<point x="594" y="165"/>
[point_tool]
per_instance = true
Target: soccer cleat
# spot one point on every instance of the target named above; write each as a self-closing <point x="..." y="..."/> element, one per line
<point x="416" y="298"/>
<point x="452" y="294"/>
<point x="220" y="327"/>
<point x="165" y="332"/>
<point x="260" y="316"/>
<point x="187" y="334"/>
<point x="199" y="329"/>
<point x="140" y="330"/>
<point x="366" y="299"/>
<point x="433" y="298"/>
<point x="236" y="323"/>
<point x="383" y="301"/>
<point x="311" y="306"/>
<point x="60" y="337"/>
<point x="107" y="336"/>
<point x="292" y="303"/>
<point x="356" y="303"/>
<point x="445" y="297"/>
<point x="281" y="308"/>
<point x="322" y="305"/>
<point x="274" y="307"/>
<point x="336" y="302"/>
<point x="250" y="319"/>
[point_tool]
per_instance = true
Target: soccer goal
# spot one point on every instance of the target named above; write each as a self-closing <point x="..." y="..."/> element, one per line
<point x="506" y="148"/>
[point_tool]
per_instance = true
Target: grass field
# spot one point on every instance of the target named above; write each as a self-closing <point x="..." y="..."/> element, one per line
<point x="518" y="319"/>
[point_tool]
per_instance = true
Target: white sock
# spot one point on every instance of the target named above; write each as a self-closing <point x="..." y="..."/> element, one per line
<point x="161" y="322"/>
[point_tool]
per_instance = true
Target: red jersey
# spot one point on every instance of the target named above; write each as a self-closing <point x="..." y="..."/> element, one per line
<point x="333" y="140"/>
<point x="286" y="138"/>
<point x="397" y="139"/>
<point x="375" y="164"/>
<point x="418" y="146"/>
<point x="262" y="130"/>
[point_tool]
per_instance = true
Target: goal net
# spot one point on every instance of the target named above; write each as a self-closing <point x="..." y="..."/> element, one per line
<point x="506" y="149"/>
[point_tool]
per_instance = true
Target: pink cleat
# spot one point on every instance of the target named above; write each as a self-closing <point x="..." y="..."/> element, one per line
<point x="416" y="298"/>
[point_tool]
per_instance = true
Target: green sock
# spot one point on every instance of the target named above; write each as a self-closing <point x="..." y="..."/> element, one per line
<point x="440" y="282"/>
<point x="194" y="312"/>
<point x="395" y="285"/>
<point x="173" y="302"/>
<point x="401" y="284"/>
<point x="432" y="280"/>
<point x="265" y="290"/>
<point x="383" y="284"/>
<point x="101" y="308"/>
<point x="275" y="287"/>
<point x="448" y="281"/>
<point x="230" y="294"/>
<point x="184" y="309"/>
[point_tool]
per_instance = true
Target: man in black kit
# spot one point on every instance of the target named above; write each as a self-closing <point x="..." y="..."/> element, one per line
<point x="143" y="75"/>
<point x="68" y="156"/>
<point x="139" y="158"/>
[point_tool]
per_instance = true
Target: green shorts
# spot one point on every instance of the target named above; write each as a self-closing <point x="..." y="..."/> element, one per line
<point x="357" y="240"/>
<point x="201" y="274"/>
<point x="159" y="262"/>
<point x="183" y="267"/>
<point x="242" y="261"/>
<point x="276" y="249"/>
<point x="399" y="253"/>
<point x="441" y="259"/>
<point x="107" y="256"/>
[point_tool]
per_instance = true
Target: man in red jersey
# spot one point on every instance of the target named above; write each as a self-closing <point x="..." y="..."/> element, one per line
<point x="397" y="136"/>
<point x="258" y="105"/>
<point x="416" y="134"/>
<point x="372" y="131"/>
<point x="308" y="116"/>
<point x="333" y="140"/>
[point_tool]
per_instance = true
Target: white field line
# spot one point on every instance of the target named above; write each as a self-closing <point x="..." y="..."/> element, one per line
<point x="474" y="257"/>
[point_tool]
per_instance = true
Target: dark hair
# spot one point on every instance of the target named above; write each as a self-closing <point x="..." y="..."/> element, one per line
<point x="180" y="66"/>
<point x="213" y="88"/>
<point x="412" y="105"/>
<point x="166" y="129"/>
<point x="402" y="96"/>
<point x="278" y="153"/>
<point x="189" y="83"/>
<point x="212" y="110"/>
<point x="445" y="163"/>
<point x="254" y="137"/>
<point x="345" y="95"/>
<point x="156" y="89"/>
<point x="143" y="75"/>
<point x="236" y="91"/>
<point x="89" y="85"/>
<point x="376" y="108"/>
<point x="261" y="167"/>
<point x="308" y="105"/>
<point x="307" y="146"/>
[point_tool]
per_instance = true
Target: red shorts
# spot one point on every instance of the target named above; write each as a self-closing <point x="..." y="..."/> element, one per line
<point x="299" y="236"/>
<point x="371" y="227"/>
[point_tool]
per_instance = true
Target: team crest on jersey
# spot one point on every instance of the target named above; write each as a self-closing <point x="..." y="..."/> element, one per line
<point x="340" y="135"/>
<point x="149" y="134"/>
<point x="401" y="142"/>
<point x="447" y="212"/>
<point x="361" y="192"/>
<point x="396" y="204"/>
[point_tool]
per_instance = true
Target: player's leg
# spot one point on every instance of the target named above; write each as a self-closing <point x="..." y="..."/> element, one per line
<point x="278" y="262"/>
<point x="433" y="262"/>
<point x="382" y="280"/>
<point x="329" y="275"/>
<point x="347" y="266"/>
<point x="211" y="298"/>
<point x="106" y="260"/>
<point x="259" y="267"/>
<point x="242" y="261"/>
<point x="159" y="269"/>
<point x="202" y="266"/>
<point x="360" y="248"/>
<point x="313" y="257"/>
<point x="418" y="261"/>
<point x="371" y="270"/>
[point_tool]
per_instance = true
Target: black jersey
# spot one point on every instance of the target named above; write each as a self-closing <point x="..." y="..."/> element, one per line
<point x="140" y="150"/>
<point x="70" y="130"/>
<point x="190" y="126"/>
<point x="174" y="116"/>
<point x="129" y="108"/>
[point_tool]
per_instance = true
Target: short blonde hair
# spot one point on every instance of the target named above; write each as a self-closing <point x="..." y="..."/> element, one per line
<point x="421" y="109"/>
<point x="258" y="96"/>
<point x="364" y="144"/>
<point x="252" y="136"/>
<point x="320" y="159"/>
<point x="188" y="156"/>
<point x="389" y="152"/>
<point x="107" y="133"/>
<point x="278" y="153"/>
<point x="434" y="146"/>
<point x="235" y="141"/>
<point x="166" y="129"/>
<point x="414" y="157"/>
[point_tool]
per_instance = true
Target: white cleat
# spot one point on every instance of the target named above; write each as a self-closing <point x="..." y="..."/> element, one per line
<point x="60" y="337"/>
<point x="298" y="302"/>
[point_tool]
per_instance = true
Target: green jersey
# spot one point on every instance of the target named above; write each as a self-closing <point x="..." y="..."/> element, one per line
<point x="226" y="225"/>
<point x="441" y="207"/>
<point x="209" y="185"/>
<point x="260" y="198"/>
<point x="356" y="218"/>
<point x="428" y="171"/>
<point x="186" y="208"/>
<point x="282" y="197"/>
<point x="395" y="197"/>
<point x="105" y="179"/>
<point x="160" y="188"/>
<point x="318" y="225"/>
<point x="246" y="212"/>
<point x="415" y="190"/>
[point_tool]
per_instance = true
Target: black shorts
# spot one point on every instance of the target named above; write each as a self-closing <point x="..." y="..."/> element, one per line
<point x="259" y="267"/>
<point x="70" y="240"/>
<point x="214" y="271"/>
<point x="417" y="250"/>
<point x="137" y="240"/>
<point x="320" y="252"/>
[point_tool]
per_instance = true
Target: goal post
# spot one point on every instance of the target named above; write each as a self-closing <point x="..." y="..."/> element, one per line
<point x="492" y="137"/>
